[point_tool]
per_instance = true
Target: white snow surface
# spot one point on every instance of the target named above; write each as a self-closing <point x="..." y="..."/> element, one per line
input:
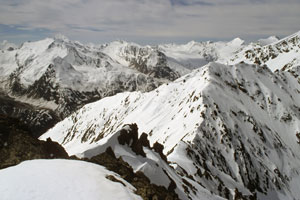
<point x="62" y="180"/>
<point x="197" y="54"/>
<point x="7" y="63"/>
<point x="35" y="58"/>
<point x="276" y="54"/>
<point x="240" y="121"/>
<point x="269" y="40"/>
<point x="5" y="45"/>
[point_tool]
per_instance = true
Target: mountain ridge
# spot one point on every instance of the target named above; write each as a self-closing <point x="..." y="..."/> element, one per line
<point x="63" y="75"/>
<point x="229" y="121"/>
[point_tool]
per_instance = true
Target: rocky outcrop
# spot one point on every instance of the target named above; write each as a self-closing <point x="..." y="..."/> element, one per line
<point x="143" y="186"/>
<point x="128" y="137"/>
<point x="17" y="144"/>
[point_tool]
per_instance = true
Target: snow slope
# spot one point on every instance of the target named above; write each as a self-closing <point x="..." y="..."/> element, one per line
<point x="229" y="129"/>
<point x="5" y="45"/>
<point x="62" y="179"/>
<point x="276" y="54"/>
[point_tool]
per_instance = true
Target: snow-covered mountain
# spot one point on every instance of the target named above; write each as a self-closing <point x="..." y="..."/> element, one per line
<point x="276" y="54"/>
<point x="230" y="130"/>
<point x="178" y="116"/>
<point x="197" y="54"/>
<point x="5" y="45"/>
<point x="269" y="40"/>
<point x="147" y="60"/>
<point x="58" y="75"/>
<point x="63" y="75"/>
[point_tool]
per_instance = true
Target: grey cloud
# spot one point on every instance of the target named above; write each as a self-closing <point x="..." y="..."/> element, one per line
<point x="190" y="3"/>
<point x="84" y="28"/>
<point x="156" y="20"/>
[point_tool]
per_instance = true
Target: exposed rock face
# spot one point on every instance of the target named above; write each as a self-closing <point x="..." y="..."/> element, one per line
<point x="137" y="143"/>
<point x="17" y="144"/>
<point x="143" y="186"/>
<point x="160" y="68"/>
<point x="145" y="167"/>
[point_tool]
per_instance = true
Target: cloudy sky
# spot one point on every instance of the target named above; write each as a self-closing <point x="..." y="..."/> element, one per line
<point x="147" y="21"/>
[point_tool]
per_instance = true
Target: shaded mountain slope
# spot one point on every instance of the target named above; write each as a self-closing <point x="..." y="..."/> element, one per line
<point x="17" y="144"/>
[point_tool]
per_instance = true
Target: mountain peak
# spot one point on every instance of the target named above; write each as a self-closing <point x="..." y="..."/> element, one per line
<point x="269" y="40"/>
<point x="61" y="37"/>
<point x="237" y="41"/>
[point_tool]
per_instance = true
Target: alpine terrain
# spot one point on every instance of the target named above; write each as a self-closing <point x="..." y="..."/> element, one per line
<point x="51" y="78"/>
<point x="202" y="120"/>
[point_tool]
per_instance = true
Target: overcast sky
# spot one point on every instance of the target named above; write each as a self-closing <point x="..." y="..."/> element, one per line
<point x="147" y="21"/>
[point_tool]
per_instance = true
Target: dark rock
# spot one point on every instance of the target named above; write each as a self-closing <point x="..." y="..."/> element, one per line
<point x="142" y="184"/>
<point x="17" y="144"/>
